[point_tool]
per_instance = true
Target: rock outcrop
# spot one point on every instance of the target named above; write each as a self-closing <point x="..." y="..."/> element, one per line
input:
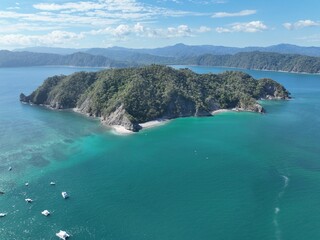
<point x="120" y="117"/>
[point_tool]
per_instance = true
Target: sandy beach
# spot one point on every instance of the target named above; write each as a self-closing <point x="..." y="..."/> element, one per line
<point x="120" y="130"/>
<point x="220" y="111"/>
<point x="153" y="123"/>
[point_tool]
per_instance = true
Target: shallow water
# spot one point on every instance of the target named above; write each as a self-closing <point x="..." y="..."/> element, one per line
<point x="231" y="176"/>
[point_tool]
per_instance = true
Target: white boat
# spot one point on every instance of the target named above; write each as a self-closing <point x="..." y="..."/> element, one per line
<point x="64" y="195"/>
<point x="52" y="183"/>
<point x="10" y="168"/>
<point x="45" y="213"/>
<point x="29" y="200"/>
<point x="3" y="214"/>
<point x="27" y="184"/>
<point x="62" y="235"/>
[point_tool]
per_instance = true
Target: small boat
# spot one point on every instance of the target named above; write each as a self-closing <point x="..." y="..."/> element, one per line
<point x="64" y="195"/>
<point x="45" y="213"/>
<point x="27" y="184"/>
<point x="62" y="235"/>
<point x="3" y="214"/>
<point x="29" y="200"/>
<point x="10" y="168"/>
<point x="52" y="183"/>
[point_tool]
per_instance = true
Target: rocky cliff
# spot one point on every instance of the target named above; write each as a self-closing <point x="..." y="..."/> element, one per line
<point x="131" y="96"/>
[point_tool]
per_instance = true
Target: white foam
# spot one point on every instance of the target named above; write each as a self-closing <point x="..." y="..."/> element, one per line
<point x="286" y="180"/>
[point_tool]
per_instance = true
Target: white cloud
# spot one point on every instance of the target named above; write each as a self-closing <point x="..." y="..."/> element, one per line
<point x="59" y="19"/>
<point x="16" y="7"/>
<point x="180" y="31"/>
<point x="112" y="8"/>
<point x="13" y="8"/>
<point x="110" y="5"/>
<point x="248" y="27"/>
<point x="301" y="24"/>
<point x="54" y="38"/>
<point x="123" y="30"/>
<point x="17" y="27"/>
<point x="94" y="16"/>
<point x="138" y="28"/>
<point x="204" y="29"/>
<point x="234" y="14"/>
<point x="203" y="2"/>
<point x="315" y="38"/>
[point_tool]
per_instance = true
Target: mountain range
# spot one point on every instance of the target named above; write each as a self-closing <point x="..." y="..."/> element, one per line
<point x="181" y="50"/>
<point x="281" y="57"/>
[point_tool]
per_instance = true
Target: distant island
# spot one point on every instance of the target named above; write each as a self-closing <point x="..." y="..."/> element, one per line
<point x="131" y="96"/>
<point x="281" y="57"/>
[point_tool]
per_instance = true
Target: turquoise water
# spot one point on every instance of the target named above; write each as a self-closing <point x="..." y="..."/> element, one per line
<point x="231" y="176"/>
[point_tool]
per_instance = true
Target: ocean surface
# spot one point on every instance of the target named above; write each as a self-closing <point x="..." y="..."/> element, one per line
<point x="232" y="176"/>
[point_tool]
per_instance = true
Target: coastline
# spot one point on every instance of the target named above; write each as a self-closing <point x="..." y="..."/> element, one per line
<point x="221" y="111"/>
<point x="240" y="69"/>
<point x="120" y="130"/>
<point x="154" y="123"/>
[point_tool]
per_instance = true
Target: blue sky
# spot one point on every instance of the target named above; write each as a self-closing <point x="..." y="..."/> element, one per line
<point x="148" y="24"/>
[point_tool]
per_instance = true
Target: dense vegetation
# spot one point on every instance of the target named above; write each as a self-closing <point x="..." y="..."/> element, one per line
<point x="132" y="95"/>
<point x="26" y="59"/>
<point x="126" y="55"/>
<point x="262" y="61"/>
<point x="119" y="57"/>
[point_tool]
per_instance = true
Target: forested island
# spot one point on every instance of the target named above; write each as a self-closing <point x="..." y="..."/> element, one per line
<point x="130" y="96"/>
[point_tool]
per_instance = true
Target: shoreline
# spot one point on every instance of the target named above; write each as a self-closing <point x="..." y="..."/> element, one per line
<point x="221" y="111"/>
<point x="173" y="65"/>
<point x="154" y="123"/>
<point x="120" y="130"/>
<point x="241" y="69"/>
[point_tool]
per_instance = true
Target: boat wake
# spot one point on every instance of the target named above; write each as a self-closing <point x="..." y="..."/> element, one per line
<point x="277" y="209"/>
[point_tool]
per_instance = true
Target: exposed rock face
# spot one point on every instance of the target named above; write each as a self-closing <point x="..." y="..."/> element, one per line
<point x="120" y="117"/>
<point x="251" y="108"/>
<point x="128" y="96"/>
<point x="24" y="98"/>
<point x="272" y="90"/>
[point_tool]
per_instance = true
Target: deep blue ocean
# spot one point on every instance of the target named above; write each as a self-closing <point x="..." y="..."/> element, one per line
<point x="233" y="176"/>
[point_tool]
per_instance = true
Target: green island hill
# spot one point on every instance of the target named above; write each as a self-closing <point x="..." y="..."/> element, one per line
<point x="130" y="96"/>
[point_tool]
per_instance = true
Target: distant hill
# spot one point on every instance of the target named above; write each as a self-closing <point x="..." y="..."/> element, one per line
<point x="262" y="61"/>
<point x="53" y="50"/>
<point x="180" y="50"/>
<point x="123" y="54"/>
<point x="119" y="57"/>
<point x="25" y="59"/>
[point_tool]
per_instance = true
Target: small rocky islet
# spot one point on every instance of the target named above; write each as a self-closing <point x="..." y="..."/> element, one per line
<point x="129" y="96"/>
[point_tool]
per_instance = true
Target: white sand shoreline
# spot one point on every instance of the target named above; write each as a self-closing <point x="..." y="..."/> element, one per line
<point x="221" y="111"/>
<point x="120" y="130"/>
<point x="154" y="123"/>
